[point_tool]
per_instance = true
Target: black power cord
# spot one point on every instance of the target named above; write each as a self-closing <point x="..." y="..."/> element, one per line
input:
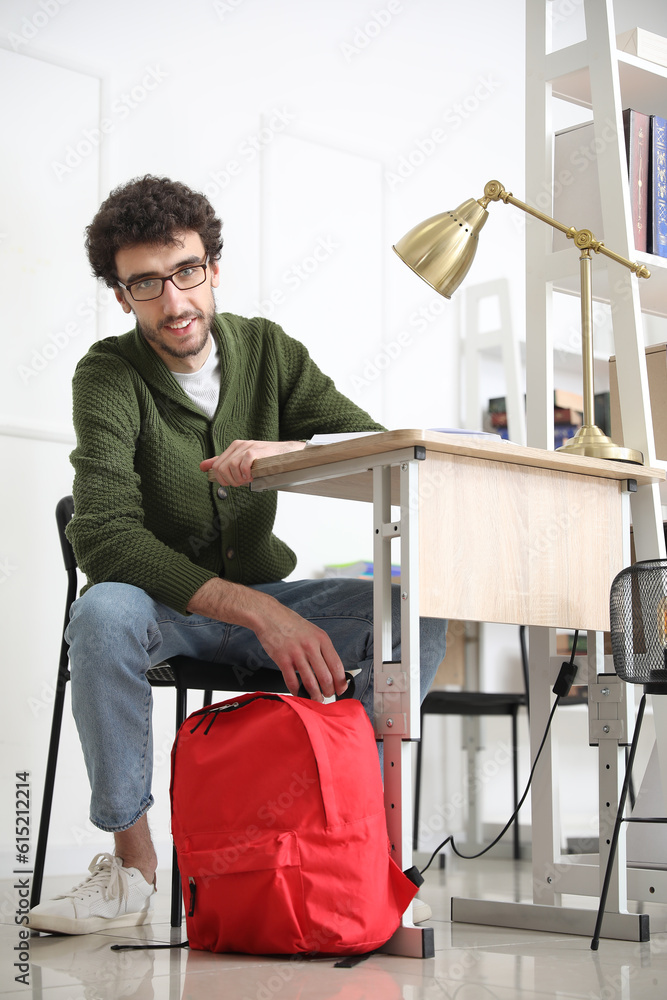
<point x="561" y="689"/>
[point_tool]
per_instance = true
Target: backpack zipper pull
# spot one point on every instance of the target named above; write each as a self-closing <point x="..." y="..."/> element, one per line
<point x="214" y="712"/>
<point x="193" y="895"/>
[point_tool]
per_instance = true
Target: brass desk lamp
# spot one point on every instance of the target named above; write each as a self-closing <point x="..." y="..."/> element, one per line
<point x="441" y="250"/>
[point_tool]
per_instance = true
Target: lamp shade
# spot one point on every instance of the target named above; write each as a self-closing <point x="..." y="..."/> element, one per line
<point x="441" y="249"/>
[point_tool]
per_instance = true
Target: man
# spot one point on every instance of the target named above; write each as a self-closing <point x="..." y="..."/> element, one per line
<point x="177" y="564"/>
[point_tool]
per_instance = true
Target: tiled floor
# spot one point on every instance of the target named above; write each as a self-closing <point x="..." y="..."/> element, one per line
<point x="470" y="963"/>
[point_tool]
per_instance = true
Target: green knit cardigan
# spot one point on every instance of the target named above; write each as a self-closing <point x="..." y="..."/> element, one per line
<point x="145" y="514"/>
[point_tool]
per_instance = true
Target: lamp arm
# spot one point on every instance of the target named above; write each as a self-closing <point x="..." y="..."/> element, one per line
<point x="583" y="238"/>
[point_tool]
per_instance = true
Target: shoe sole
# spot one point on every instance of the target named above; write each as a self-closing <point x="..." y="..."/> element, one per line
<point x="421" y="912"/>
<point x="89" y="925"/>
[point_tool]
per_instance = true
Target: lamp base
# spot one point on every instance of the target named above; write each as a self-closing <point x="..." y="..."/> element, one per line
<point x="592" y="442"/>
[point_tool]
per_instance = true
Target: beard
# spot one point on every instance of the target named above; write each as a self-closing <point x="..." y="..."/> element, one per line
<point x="193" y="345"/>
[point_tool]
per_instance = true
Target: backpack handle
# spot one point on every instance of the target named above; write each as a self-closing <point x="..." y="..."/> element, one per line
<point x="309" y="720"/>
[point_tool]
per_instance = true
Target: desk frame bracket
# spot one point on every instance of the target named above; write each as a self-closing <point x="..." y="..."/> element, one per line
<point x="334" y="470"/>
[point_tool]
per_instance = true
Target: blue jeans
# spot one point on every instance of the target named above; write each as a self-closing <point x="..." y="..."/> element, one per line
<point x="117" y="632"/>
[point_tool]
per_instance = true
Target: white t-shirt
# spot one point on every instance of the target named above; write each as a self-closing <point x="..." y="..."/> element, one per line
<point x="203" y="386"/>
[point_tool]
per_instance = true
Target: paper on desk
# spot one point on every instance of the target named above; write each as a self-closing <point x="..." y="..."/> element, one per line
<point x="332" y="438"/>
<point x="464" y="430"/>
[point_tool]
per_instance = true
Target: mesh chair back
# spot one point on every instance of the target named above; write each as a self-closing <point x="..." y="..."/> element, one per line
<point x="638" y="610"/>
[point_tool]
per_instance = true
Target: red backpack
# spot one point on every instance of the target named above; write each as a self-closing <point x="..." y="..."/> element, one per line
<point x="279" y="825"/>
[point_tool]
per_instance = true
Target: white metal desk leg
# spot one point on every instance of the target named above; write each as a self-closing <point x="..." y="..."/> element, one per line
<point x="397" y="684"/>
<point x="545" y="798"/>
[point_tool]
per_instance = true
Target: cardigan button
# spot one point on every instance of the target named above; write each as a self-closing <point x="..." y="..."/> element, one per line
<point x="230" y="553"/>
<point x="222" y="492"/>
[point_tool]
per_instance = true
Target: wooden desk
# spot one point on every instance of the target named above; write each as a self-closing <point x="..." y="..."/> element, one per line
<point x="489" y="531"/>
<point x="507" y="534"/>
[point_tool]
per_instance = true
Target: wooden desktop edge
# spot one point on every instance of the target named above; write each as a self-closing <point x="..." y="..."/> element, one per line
<point x="454" y="444"/>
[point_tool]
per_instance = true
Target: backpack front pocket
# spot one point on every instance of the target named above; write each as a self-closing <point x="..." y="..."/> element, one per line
<point x="243" y="892"/>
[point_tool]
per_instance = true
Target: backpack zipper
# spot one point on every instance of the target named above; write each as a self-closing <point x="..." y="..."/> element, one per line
<point x="229" y="707"/>
<point x="214" y="712"/>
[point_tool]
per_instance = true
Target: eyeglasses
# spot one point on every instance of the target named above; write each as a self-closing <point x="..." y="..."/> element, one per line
<point x="152" y="288"/>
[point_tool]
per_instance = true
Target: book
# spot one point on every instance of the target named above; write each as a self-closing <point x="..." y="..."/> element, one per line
<point x="562" y="432"/>
<point x="657" y="231"/>
<point x="499" y="405"/>
<point x="566" y="415"/>
<point x="602" y="402"/>
<point x="644" y="44"/>
<point x="577" y="201"/>
<point x="637" y="127"/>
<point x="562" y="398"/>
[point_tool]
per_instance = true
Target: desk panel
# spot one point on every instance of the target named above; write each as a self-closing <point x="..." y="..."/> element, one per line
<point x="509" y="543"/>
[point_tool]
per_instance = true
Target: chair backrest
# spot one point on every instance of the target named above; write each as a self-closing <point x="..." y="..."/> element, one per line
<point x="64" y="512"/>
<point x="638" y="612"/>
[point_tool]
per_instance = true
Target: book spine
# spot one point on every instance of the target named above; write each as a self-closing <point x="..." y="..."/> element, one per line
<point x="658" y="229"/>
<point x="637" y="128"/>
<point x="603" y="411"/>
<point x="562" y="432"/>
<point x="566" y="415"/>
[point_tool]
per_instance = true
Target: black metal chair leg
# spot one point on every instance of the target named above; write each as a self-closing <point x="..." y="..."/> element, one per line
<point x="176" y="901"/>
<point x="524" y="666"/>
<point x="418" y="778"/>
<point x="515" y="785"/>
<point x="49" y="782"/>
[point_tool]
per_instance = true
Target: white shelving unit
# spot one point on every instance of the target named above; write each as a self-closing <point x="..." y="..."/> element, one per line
<point x="643" y="87"/>
<point x="594" y="74"/>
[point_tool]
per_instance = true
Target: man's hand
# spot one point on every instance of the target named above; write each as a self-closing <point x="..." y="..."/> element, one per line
<point x="299" y="647"/>
<point x="295" y="645"/>
<point x="234" y="466"/>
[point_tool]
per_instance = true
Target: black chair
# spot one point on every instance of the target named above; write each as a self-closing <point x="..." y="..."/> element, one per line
<point x="638" y="619"/>
<point x="182" y="673"/>
<point x="477" y="703"/>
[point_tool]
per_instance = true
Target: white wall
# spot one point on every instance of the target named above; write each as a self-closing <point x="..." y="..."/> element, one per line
<point x="301" y="121"/>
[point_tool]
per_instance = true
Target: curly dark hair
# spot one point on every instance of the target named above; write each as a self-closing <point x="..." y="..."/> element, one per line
<point x="148" y="210"/>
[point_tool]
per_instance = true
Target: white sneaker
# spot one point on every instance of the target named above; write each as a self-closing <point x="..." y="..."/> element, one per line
<point x="421" y="911"/>
<point x="112" y="896"/>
